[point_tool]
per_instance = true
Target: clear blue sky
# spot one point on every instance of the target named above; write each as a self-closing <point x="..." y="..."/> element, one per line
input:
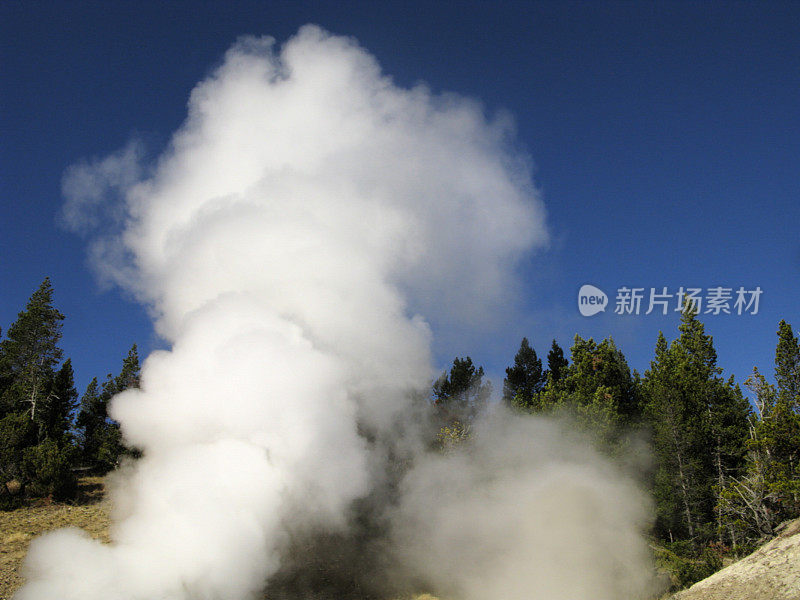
<point x="665" y="138"/>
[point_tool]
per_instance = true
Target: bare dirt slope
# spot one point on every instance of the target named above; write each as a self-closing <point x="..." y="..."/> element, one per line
<point x="19" y="527"/>
<point x="770" y="573"/>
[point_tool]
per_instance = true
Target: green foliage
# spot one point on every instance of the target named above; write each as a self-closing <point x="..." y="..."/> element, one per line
<point x="129" y="375"/>
<point x="100" y="438"/>
<point x="90" y="419"/>
<point x="596" y="390"/>
<point x="30" y="353"/>
<point x="452" y="436"/>
<point x="685" y="565"/>
<point x="768" y="491"/>
<point x="17" y="432"/>
<point x="29" y="381"/>
<point x="525" y="379"/>
<point x="724" y="476"/>
<point x="699" y="424"/>
<point x="787" y="367"/>
<point x="780" y="427"/>
<point x="37" y="404"/>
<point x="556" y="363"/>
<point x="37" y="398"/>
<point x="600" y="378"/>
<point x="461" y="394"/>
<point x="55" y="415"/>
<point x="47" y="469"/>
<point x="110" y="447"/>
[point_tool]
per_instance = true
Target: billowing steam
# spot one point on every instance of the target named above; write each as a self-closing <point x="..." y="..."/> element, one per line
<point x="528" y="511"/>
<point x="303" y="218"/>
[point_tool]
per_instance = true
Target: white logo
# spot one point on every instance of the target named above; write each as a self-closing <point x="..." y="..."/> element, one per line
<point x="591" y="300"/>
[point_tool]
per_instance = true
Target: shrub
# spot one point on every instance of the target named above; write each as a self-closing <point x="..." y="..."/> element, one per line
<point x="686" y="566"/>
<point x="47" y="468"/>
<point x="17" y="432"/>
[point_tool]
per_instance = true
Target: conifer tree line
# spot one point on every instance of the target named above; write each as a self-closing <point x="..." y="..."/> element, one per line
<point x="47" y="433"/>
<point x="725" y="473"/>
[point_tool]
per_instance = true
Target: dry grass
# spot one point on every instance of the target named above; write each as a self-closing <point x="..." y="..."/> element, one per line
<point x="90" y="512"/>
<point x="18" y="527"/>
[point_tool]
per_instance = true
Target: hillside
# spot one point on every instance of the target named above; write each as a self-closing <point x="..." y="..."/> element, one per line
<point x="18" y="527"/>
<point x="770" y="573"/>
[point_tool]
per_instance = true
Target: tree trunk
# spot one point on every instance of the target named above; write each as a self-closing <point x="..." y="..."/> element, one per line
<point x="720" y="486"/>
<point x="684" y="490"/>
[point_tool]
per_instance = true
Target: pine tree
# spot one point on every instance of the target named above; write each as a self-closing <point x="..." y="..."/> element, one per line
<point x="596" y="389"/>
<point x="36" y="401"/>
<point x="767" y="493"/>
<point x="747" y="503"/>
<point x="699" y="423"/>
<point x="30" y="354"/>
<point x="602" y="366"/>
<point x="780" y="429"/>
<point x="129" y="375"/>
<point x="729" y="415"/>
<point x="674" y="411"/>
<point x="17" y="433"/>
<point x="556" y="363"/>
<point x="461" y="393"/>
<point x="90" y="421"/>
<point x="525" y="379"/>
<point x="787" y="368"/>
<point x="101" y="440"/>
<point x="56" y="412"/>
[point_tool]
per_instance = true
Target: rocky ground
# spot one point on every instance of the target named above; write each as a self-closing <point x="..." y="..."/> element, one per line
<point x="770" y="573"/>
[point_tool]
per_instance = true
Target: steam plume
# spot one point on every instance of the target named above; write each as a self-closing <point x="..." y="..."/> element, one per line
<point x="303" y="218"/>
<point x="526" y="511"/>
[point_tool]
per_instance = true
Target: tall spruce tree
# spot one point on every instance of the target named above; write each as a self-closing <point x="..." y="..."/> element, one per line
<point x="525" y="379"/>
<point x="556" y="363"/>
<point x="30" y="353"/>
<point x="780" y="430"/>
<point x="729" y="416"/>
<point x="36" y="401"/>
<point x="787" y="367"/>
<point x="675" y="410"/>
<point x="699" y="423"/>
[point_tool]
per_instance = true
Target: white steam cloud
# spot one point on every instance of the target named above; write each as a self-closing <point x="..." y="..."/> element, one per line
<point x="305" y="215"/>
<point x="527" y="511"/>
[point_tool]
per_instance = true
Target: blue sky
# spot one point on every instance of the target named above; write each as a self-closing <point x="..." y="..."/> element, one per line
<point x="664" y="139"/>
